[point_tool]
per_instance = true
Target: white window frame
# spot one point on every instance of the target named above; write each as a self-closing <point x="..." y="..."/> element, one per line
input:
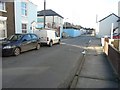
<point x="3" y="28"/>
<point x="24" y="9"/>
<point x="24" y="28"/>
<point x="2" y="6"/>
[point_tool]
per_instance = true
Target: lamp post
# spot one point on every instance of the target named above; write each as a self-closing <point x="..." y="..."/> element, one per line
<point x="44" y="12"/>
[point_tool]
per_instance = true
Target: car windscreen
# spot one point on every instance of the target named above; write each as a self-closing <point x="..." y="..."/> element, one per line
<point x="14" y="37"/>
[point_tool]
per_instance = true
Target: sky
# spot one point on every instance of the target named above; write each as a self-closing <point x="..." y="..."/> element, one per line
<point x="80" y="12"/>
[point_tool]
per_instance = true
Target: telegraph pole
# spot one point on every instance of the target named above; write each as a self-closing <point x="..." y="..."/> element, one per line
<point x="44" y="12"/>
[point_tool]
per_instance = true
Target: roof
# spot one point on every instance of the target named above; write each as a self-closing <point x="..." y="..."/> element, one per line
<point x="48" y="12"/>
<point x="118" y="20"/>
<point x="109" y="16"/>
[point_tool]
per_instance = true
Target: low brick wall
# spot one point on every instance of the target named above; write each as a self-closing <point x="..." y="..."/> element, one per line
<point x="114" y="57"/>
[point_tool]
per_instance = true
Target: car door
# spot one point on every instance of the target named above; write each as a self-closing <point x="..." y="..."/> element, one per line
<point x="34" y="41"/>
<point x="26" y="43"/>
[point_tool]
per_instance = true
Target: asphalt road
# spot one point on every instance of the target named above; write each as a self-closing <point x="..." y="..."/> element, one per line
<point x="49" y="67"/>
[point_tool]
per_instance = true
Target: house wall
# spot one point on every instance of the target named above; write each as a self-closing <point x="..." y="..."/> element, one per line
<point x="3" y="21"/>
<point x="49" y="22"/>
<point x="18" y="16"/>
<point x="11" y="18"/>
<point x="119" y="21"/>
<point x="72" y="32"/>
<point x="104" y="27"/>
<point x="119" y="8"/>
<point x="50" y="19"/>
<point x="32" y="16"/>
<point x="19" y="19"/>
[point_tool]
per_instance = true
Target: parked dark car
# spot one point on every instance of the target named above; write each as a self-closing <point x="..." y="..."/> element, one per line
<point x="18" y="43"/>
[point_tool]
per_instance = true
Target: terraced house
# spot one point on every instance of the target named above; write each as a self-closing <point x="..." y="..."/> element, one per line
<point x="20" y="17"/>
<point x="3" y="19"/>
<point x="53" y="20"/>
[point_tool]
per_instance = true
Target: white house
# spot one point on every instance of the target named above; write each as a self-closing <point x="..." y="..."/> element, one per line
<point x="3" y="19"/>
<point x="105" y="25"/>
<point x="119" y="21"/>
<point x="25" y="16"/>
<point x="17" y="16"/>
<point x="53" y="20"/>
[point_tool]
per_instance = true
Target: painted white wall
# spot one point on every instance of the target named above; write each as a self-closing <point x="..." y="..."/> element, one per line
<point x="19" y="19"/>
<point x="119" y="8"/>
<point x="119" y="22"/>
<point x="104" y="27"/>
<point x="32" y="16"/>
<point x="49" y="19"/>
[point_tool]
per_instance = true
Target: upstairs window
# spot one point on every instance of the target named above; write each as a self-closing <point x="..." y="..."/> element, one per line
<point x="2" y="6"/>
<point x="24" y="8"/>
<point x="40" y="20"/>
<point x="24" y="28"/>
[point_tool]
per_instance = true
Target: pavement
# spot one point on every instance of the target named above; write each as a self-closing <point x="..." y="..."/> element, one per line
<point x="96" y="72"/>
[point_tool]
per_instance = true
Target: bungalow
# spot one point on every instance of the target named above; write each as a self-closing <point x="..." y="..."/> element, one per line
<point x="53" y="20"/>
<point x="20" y="15"/>
<point x="3" y="19"/>
<point x="105" y="25"/>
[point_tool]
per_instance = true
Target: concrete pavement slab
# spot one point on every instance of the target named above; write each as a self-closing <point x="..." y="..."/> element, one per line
<point x="95" y="83"/>
<point x="96" y="71"/>
<point x="97" y="67"/>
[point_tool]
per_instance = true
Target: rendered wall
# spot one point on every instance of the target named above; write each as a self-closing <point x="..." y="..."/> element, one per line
<point x="72" y="32"/>
<point x="104" y="27"/>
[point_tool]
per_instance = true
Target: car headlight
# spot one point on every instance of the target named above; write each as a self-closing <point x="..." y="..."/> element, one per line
<point x="8" y="47"/>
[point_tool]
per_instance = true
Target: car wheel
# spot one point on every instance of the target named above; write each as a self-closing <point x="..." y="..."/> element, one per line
<point x="17" y="51"/>
<point x="51" y="44"/>
<point x="38" y="46"/>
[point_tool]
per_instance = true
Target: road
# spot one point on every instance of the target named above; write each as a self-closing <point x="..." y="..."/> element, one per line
<point x="49" y="67"/>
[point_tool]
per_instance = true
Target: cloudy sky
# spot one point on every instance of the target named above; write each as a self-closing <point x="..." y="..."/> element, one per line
<point x="80" y="12"/>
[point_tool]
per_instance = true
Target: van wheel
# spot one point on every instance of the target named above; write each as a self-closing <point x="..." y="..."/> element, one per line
<point x="38" y="46"/>
<point x="51" y="44"/>
<point x="16" y="51"/>
<point x="59" y="42"/>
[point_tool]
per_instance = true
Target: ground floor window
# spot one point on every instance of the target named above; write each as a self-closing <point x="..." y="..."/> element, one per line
<point x="2" y="29"/>
<point x="24" y="28"/>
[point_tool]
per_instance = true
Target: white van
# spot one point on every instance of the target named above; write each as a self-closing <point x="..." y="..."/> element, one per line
<point x="48" y="37"/>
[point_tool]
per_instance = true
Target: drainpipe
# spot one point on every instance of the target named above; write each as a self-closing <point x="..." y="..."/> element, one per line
<point x="44" y="12"/>
<point x="112" y="30"/>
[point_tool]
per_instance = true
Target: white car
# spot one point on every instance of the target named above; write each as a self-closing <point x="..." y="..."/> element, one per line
<point x="48" y="36"/>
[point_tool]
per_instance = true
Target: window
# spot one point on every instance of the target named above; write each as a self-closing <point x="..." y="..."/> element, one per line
<point x="14" y="37"/>
<point x="34" y="36"/>
<point x="26" y="37"/>
<point x="56" y="34"/>
<point x="24" y="28"/>
<point x="24" y="8"/>
<point x="2" y="5"/>
<point x="2" y="29"/>
<point x="40" y="20"/>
